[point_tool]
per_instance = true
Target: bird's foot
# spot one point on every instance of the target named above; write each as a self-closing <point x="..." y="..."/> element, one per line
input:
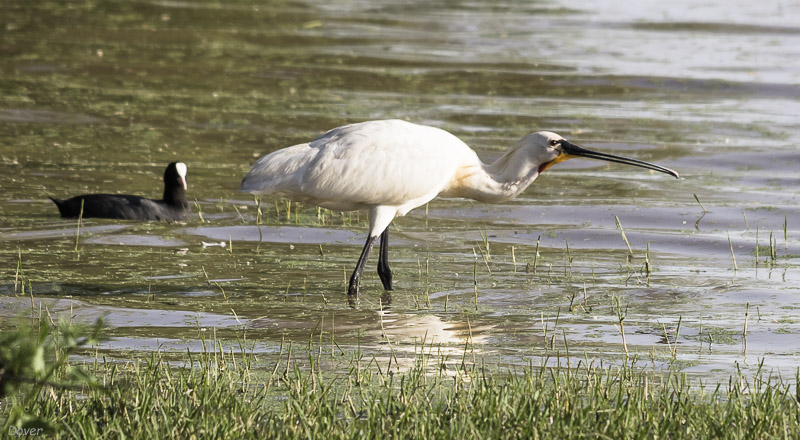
<point x="352" y="288"/>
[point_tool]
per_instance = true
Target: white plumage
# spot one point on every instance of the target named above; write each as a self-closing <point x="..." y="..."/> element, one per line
<point x="391" y="167"/>
<point x="362" y="166"/>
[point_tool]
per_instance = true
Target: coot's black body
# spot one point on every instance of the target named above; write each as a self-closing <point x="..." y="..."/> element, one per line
<point x="172" y="207"/>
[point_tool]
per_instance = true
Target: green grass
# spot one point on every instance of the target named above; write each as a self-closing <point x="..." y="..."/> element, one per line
<point x="316" y="393"/>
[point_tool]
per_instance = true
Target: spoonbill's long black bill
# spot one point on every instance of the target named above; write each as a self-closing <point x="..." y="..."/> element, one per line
<point x="576" y="151"/>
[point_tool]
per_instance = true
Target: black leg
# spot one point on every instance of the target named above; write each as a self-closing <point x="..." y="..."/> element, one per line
<point x="352" y="288"/>
<point x="383" y="261"/>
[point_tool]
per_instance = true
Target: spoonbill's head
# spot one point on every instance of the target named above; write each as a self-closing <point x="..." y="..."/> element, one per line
<point x="549" y="148"/>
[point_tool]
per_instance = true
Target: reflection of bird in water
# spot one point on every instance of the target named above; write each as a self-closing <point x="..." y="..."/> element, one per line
<point x="405" y="331"/>
<point x="427" y="329"/>
<point x="391" y="167"/>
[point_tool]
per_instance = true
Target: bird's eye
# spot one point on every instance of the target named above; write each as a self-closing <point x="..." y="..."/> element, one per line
<point x="554" y="142"/>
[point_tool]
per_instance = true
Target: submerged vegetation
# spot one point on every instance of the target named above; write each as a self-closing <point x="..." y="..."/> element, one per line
<point x="313" y="393"/>
<point x="333" y="390"/>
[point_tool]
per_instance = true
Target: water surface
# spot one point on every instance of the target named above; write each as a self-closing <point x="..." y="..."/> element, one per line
<point x="98" y="97"/>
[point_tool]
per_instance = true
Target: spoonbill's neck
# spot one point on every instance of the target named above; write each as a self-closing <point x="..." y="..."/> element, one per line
<point x="499" y="181"/>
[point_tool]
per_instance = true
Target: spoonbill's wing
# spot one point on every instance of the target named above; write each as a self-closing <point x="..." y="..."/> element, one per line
<point x="362" y="165"/>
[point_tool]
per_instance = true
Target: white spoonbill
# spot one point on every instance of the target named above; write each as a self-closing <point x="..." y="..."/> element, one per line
<point x="390" y="167"/>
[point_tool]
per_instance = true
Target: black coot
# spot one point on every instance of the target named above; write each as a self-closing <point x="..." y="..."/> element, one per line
<point x="171" y="208"/>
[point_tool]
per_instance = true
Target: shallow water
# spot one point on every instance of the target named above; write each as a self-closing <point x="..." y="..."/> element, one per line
<point x="98" y="97"/>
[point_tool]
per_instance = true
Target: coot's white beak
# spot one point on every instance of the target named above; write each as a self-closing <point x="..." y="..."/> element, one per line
<point x="181" y="168"/>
